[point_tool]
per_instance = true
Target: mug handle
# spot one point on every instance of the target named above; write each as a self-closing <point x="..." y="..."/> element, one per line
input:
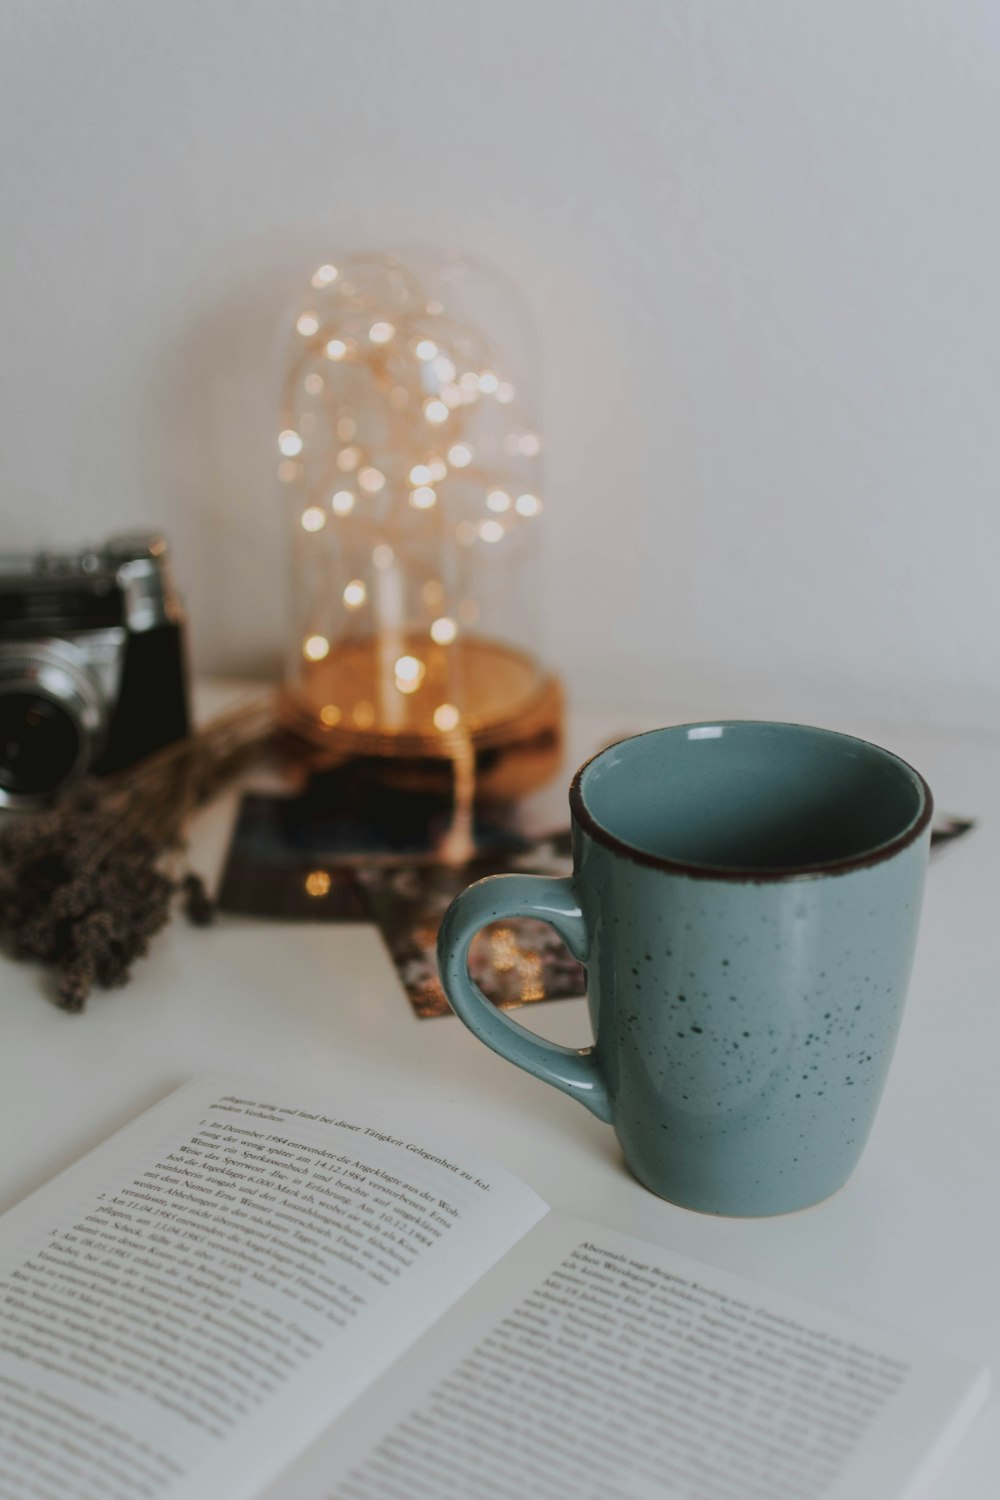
<point x="552" y="899"/>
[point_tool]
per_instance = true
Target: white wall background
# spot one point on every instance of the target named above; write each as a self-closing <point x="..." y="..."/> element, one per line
<point x="760" y="242"/>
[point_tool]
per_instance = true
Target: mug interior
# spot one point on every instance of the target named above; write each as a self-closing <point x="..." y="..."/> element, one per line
<point x="745" y="796"/>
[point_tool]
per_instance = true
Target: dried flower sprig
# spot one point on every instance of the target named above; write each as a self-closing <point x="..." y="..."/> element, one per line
<point x="85" y="885"/>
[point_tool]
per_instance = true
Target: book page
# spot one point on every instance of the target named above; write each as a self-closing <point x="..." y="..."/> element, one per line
<point x="182" y="1311"/>
<point x="594" y="1365"/>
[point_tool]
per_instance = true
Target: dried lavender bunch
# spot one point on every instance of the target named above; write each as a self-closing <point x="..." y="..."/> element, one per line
<point x="85" y="885"/>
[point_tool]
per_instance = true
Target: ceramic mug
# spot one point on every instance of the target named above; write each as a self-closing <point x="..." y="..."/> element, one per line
<point x="745" y="898"/>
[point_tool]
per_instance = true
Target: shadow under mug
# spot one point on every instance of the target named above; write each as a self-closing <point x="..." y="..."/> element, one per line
<point x="745" y="897"/>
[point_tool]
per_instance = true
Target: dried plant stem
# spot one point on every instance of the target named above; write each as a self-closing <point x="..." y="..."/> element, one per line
<point x="85" y="885"/>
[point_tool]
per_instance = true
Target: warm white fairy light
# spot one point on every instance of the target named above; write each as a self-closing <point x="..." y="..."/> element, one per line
<point x="376" y="419"/>
<point x="315" y="647"/>
<point x="409" y="672"/>
<point x="372" y="481"/>
<point x="446" y="717"/>
<point x="443" y="631"/>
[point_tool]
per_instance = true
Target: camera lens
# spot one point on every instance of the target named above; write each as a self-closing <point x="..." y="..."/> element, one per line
<point x="40" y="744"/>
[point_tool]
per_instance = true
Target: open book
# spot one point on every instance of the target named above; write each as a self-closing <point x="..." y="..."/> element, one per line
<point x="240" y="1297"/>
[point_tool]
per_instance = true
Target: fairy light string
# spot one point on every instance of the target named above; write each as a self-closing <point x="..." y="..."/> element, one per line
<point x="400" y="433"/>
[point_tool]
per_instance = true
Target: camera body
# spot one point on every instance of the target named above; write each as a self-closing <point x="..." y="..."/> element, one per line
<point x="92" y="664"/>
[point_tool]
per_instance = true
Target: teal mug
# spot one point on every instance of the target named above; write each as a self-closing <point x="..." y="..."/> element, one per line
<point x="745" y="898"/>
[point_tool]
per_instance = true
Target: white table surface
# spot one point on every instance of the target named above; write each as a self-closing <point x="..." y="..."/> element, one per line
<point x="912" y="1242"/>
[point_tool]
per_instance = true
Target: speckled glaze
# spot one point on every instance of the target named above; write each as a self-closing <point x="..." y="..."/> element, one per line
<point x="745" y="898"/>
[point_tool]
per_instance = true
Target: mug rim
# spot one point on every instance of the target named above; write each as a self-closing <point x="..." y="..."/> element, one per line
<point x="588" y="823"/>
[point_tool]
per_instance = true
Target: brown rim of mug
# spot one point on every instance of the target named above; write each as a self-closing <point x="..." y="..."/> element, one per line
<point x="747" y="874"/>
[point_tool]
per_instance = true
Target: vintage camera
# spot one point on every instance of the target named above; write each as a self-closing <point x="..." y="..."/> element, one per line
<point x="92" y="664"/>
